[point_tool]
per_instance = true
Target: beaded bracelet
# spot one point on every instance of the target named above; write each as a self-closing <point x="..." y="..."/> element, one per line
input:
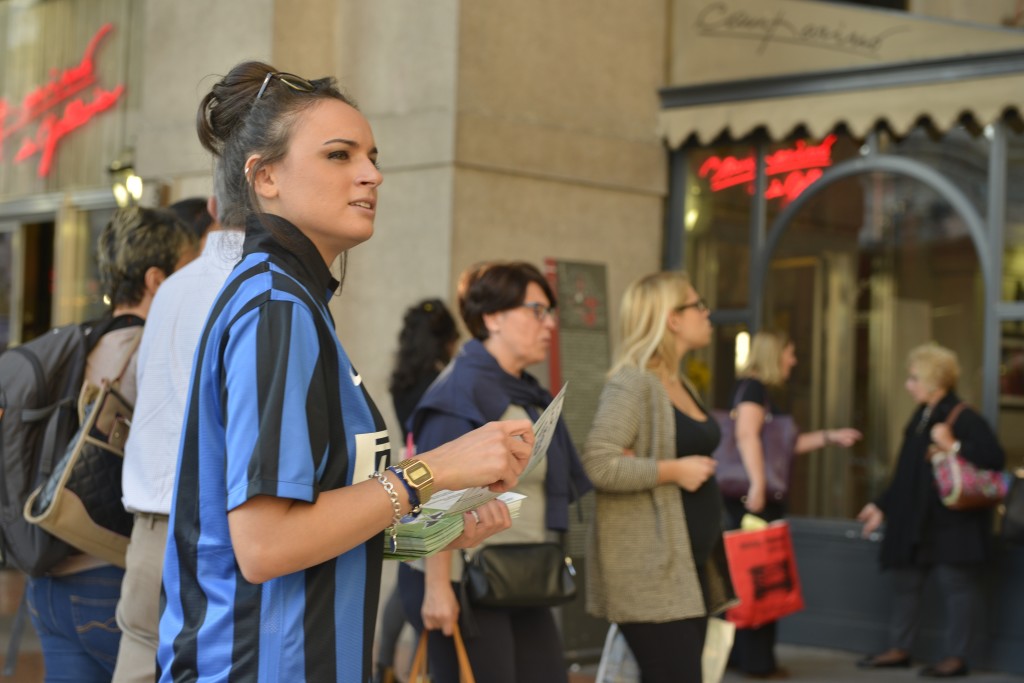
<point x="414" y="496"/>
<point x="396" y="505"/>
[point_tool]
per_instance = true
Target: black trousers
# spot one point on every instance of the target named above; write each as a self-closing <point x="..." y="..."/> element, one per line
<point x="957" y="585"/>
<point x="507" y="646"/>
<point x="669" y="652"/>
<point x="753" y="651"/>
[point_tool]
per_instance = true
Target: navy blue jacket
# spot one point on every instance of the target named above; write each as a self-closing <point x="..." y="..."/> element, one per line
<point x="475" y="390"/>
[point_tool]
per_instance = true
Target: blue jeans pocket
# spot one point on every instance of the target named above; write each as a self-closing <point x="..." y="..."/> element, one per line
<point x="96" y="626"/>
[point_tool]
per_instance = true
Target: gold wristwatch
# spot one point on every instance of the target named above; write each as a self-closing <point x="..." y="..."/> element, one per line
<point x="418" y="475"/>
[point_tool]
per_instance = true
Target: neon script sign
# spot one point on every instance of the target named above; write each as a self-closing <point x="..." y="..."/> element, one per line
<point x="790" y="170"/>
<point x="41" y="105"/>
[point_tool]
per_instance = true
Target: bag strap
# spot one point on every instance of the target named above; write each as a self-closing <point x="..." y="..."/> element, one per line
<point x="736" y="395"/>
<point x="954" y="414"/>
<point x="129" y="352"/>
<point x="465" y="670"/>
<point x="949" y="422"/>
<point x="736" y="401"/>
<point x="96" y="331"/>
<point x="420" y="662"/>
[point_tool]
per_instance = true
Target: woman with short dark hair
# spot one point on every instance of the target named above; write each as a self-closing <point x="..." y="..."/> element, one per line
<point x="509" y="308"/>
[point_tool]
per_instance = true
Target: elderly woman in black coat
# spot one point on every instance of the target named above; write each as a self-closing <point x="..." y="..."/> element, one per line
<point x="922" y="535"/>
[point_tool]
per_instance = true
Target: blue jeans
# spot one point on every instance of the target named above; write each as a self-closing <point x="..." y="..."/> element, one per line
<point x="74" y="616"/>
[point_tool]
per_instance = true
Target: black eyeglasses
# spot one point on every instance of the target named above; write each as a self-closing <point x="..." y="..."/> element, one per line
<point x="699" y="304"/>
<point x="540" y="311"/>
<point x="294" y="82"/>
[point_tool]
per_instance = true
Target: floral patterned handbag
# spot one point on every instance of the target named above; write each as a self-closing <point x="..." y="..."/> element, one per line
<point x="963" y="485"/>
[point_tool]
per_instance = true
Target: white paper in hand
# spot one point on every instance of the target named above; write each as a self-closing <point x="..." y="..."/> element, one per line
<point x="543" y="430"/>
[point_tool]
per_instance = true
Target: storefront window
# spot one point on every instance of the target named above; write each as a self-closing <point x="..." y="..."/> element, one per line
<point x="1011" y="393"/>
<point x="717" y="223"/>
<point x="1013" y="253"/>
<point x="713" y="369"/>
<point x="960" y="154"/>
<point x="91" y="304"/>
<point x="873" y="266"/>
<point x="869" y="267"/>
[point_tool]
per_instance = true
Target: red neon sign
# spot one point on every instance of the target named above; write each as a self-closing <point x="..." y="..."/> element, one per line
<point x="794" y="169"/>
<point x="40" y="105"/>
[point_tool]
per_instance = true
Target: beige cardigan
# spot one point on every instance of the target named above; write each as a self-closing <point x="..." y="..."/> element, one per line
<point x="640" y="567"/>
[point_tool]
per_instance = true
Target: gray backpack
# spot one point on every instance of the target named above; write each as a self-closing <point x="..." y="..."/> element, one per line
<point x="39" y="386"/>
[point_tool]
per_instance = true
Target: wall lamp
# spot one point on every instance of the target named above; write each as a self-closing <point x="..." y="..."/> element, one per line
<point x="125" y="183"/>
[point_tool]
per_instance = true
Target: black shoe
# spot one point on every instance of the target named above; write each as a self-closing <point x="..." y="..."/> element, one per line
<point x="885" y="660"/>
<point x="777" y="674"/>
<point x="950" y="667"/>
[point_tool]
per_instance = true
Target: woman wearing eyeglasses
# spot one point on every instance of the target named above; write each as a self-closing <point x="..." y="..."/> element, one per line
<point x="275" y="541"/>
<point x="770" y="362"/>
<point x="509" y="309"/>
<point x="656" y="563"/>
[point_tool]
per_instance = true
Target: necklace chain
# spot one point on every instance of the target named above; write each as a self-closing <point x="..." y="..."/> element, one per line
<point x="925" y="416"/>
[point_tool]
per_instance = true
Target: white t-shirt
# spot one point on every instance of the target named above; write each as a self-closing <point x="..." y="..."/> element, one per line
<point x="173" y="328"/>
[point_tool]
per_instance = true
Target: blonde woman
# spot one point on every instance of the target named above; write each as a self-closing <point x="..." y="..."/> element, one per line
<point x="656" y="560"/>
<point x="923" y="536"/>
<point x="770" y="363"/>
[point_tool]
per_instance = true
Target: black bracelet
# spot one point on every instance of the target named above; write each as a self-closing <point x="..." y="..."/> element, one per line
<point x="414" y="496"/>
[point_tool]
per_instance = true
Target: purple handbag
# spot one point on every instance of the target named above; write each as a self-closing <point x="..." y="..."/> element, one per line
<point x="778" y="443"/>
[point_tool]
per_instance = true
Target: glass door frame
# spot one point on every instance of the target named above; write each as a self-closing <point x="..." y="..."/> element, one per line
<point x="17" y="275"/>
<point x="987" y="234"/>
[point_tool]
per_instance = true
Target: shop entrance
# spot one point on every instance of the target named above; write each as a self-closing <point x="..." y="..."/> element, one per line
<point x="48" y="270"/>
<point x="871" y="266"/>
<point x="26" y="280"/>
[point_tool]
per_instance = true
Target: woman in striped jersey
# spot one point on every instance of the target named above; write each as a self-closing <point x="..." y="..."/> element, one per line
<point x="274" y="548"/>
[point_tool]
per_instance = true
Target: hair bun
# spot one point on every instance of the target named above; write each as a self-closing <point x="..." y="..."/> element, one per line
<point x="226" y="106"/>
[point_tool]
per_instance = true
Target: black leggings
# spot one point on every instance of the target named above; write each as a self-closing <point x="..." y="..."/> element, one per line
<point x="507" y="646"/>
<point x="669" y="652"/>
<point x="753" y="651"/>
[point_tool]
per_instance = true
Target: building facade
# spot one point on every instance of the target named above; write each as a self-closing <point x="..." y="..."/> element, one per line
<point x="847" y="173"/>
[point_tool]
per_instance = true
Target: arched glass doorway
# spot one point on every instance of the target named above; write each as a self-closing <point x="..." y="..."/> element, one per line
<point x="883" y="248"/>
<point x="867" y="266"/>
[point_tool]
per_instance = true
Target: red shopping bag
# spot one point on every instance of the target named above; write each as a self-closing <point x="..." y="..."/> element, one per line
<point x="762" y="566"/>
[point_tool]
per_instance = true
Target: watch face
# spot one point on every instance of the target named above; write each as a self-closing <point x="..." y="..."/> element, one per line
<point x="419" y="474"/>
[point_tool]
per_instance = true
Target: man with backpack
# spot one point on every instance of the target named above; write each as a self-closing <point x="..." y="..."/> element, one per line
<point x="175" y="323"/>
<point x="72" y="603"/>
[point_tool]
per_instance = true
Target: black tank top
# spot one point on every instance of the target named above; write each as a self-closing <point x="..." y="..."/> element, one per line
<point x="703" y="507"/>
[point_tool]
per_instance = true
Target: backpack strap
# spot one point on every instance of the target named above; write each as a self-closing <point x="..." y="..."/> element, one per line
<point x="95" y="330"/>
<point x="99" y="329"/>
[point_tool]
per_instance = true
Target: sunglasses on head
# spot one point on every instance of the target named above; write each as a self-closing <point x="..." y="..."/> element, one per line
<point x="297" y="83"/>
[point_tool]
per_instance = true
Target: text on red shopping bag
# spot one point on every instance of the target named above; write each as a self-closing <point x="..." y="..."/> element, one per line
<point x="763" y="569"/>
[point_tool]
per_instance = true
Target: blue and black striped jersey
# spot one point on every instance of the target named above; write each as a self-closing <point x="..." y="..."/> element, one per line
<point x="275" y="408"/>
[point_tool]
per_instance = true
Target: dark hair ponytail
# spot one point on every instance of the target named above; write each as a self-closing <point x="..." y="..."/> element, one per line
<point x="233" y="125"/>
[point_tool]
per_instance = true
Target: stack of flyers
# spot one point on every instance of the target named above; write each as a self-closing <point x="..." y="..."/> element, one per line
<point x="440" y="521"/>
<point x="433" y="529"/>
